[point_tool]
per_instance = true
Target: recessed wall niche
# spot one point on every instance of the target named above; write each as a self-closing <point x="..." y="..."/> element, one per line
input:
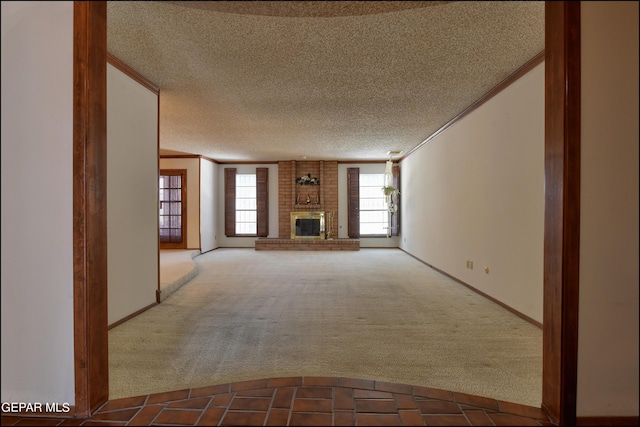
<point x="308" y="181"/>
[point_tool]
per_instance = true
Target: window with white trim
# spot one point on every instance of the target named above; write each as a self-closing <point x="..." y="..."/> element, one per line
<point x="246" y="204"/>
<point x="374" y="211"/>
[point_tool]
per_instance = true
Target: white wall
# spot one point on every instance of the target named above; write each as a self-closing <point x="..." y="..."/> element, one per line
<point x="343" y="217"/>
<point x="132" y="195"/>
<point x="476" y="193"/>
<point x="208" y="205"/>
<point x="608" y="309"/>
<point x="192" y="165"/>
<point x="247" y="242"/>
<point x="37" y="199"/>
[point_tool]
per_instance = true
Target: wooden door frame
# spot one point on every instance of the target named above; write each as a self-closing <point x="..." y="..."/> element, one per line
<point x="183" y="244"/>
<point x="562" y="211"/>
<point x="562" y="204"/>
<point x="91" y="363"/>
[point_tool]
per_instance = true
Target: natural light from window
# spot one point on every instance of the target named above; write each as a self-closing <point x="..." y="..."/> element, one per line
<point x="246" y="204"/>
<point x="374" y="215"/>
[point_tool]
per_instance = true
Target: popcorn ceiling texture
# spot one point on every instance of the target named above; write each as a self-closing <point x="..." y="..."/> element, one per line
<point x="273" y="81"/>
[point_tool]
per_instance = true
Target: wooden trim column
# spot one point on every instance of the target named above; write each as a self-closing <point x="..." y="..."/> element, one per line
<point x="91" y="364"/>
<point x="562" y="211"/>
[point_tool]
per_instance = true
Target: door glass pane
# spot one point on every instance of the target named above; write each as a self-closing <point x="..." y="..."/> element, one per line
<point x="170" y="207"/>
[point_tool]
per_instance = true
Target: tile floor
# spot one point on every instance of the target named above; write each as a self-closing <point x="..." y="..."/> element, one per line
<point x="304" y="401"/>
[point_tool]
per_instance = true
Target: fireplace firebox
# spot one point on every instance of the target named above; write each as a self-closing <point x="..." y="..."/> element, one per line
<point x="307" y="225"/>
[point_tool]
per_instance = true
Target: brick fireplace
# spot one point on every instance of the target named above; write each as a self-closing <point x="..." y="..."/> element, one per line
<point x="294" y="197"/>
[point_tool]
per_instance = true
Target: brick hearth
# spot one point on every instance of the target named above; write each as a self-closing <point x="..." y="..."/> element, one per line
<point x="267" y="244"/>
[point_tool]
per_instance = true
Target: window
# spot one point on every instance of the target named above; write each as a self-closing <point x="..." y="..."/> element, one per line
<point x="246" y="204"/>
<point x="367" y="209"/>
<point x="374" y="212"/>
<point x="172" y="210"/>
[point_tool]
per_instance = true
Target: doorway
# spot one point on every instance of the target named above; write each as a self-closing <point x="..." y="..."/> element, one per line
<point x="172" y="209"/>
<point x="558" y="383"/>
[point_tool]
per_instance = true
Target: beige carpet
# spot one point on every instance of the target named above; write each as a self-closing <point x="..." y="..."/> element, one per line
<point x="374" y="314"/>
<point x="177" y="267"/>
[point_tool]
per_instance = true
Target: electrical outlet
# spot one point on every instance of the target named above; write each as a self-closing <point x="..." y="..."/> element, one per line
<point x="471" y="265"/>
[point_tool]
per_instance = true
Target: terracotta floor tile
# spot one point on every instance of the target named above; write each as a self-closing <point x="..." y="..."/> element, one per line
<point x="242" y="418"/>
<point x="438" y="407"/>
<point x="372" y="394"/>
<point x="285" y="382"/>
<point x="344" y="418"/>
<point x="376" y="406"/>
<point x="304" y="401"/>
<point x="312" y="405"/>
<point x="344" y="398"/>
<point x="178" y="416"/>
<point x="211" y="390"/>
<point x="127" y="402"/>
<point x="37" y="422"/>
<point x="211" y="416"/>
<point x="10" y="420"/>
<point x="262" y="392"/>
<point x="119" y="415"/>
<point x="306" y="419"/>
<point x="511" y="420"/>
<point x="197" y="403"/>
<point x="525" y="411"/>
<point x="394" y="388"/>
<point x="314" y="392"/>
<point x="283" y="398"/>
<point x="249" y="385"/>
<point x="95" y="423"/>
<point x="378" y="420"/>
<point x="356" y="383"/>
<point x="404" y="401"/>
<point x="432" y="393"/>
<point x="278" y="417"/>
<point x="168" y="396"/>
<point x="146" y="415"/>
<point x="483" y="402"/>
<point x="249" y="404"/>
<point x="73" y="422"/>
<point x="320" y="381"/>
<point x="446" y="420"/>
<point x="411" y="417"/>
<point x="478" y="418"/>
<point x="221" y="400"/>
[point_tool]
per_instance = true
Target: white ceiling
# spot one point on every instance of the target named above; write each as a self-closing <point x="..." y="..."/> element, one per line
<point x="245" y="81"/>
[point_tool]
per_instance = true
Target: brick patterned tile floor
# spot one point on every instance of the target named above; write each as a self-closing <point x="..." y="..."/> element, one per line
<point x="303" y="401"/>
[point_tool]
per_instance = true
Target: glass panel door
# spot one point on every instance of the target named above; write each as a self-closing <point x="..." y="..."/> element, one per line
<point x="172" y="209"/>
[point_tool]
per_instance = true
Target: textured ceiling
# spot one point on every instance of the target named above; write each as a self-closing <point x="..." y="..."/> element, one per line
<point x="267" y="81"/>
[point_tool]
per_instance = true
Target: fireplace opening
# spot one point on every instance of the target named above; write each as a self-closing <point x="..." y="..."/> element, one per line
<point x="307" y="225"/>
